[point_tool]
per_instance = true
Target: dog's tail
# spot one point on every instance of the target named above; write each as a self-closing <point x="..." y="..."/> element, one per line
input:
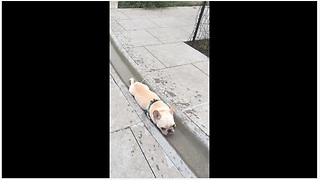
<point x="144" y="79"/>
<point x="131" y="81"/>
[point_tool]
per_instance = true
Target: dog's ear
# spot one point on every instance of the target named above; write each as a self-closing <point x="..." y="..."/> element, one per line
<point x="156" y="115"/>
<point x="172" y="108"/>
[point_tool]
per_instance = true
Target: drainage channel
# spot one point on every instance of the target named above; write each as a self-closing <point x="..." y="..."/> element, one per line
<point x="191" y="150"/>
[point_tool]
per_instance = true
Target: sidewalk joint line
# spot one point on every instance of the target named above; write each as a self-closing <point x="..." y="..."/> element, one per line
<point x="124" y="128"/>
<point x="196" y="124"/>
<point x="200" y="69"/>
<point x="155" y="57"/>
<point x="120" y="24"/>
<point x="143" y="153"/>
<point x="153" y="35"/>
<point x="178" y="66"/>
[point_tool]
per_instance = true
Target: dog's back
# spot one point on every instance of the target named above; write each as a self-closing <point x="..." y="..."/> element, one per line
<point x="142" y="93"/>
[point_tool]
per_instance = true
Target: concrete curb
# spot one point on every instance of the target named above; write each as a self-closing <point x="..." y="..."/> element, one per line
<point x="188" y="123"/>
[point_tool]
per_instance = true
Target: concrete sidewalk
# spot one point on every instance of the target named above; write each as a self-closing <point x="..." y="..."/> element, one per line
<point x="154" y="39"/>
<point x="134" y="151"/>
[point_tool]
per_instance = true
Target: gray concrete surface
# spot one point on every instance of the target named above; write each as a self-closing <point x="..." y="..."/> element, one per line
<point x="120" y="120"/>
<point x="127" y="160"/>
<point x="134" y="151"/>
<point x="113" y="4"/>
<point x="159" y="162"/>
<point x="154" y="41"/>
<point x="173" y="54"/>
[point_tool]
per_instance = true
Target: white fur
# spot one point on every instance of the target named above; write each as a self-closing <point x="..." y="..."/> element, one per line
<point x="143" y="96"/>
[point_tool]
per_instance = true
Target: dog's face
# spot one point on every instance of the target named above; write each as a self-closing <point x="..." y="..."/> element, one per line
<point x="164" y="120"/>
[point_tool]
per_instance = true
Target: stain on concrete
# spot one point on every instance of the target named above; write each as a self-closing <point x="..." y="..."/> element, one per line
<point x="191" y="113"/>
<point x="156" y="80"/>
<point x="152" y="158"/>
<point x="170" y="93"/>
<point x="157" y="167"/>
<point x="164" y="82"/>
<point x="183" y="104"/>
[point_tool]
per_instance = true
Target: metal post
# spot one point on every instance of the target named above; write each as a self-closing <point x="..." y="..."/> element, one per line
<point x="199" y="20"/>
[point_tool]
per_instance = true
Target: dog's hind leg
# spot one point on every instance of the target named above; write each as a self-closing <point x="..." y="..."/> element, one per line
<point x="131" y="81"/>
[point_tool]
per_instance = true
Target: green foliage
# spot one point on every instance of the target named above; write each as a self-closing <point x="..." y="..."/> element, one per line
<point x="155" y="4"/>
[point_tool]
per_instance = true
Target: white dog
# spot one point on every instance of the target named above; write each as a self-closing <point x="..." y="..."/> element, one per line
<point x="159" y="112"/>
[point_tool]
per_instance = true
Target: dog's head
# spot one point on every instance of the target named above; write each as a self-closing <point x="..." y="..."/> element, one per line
<point x="164" y="120"/>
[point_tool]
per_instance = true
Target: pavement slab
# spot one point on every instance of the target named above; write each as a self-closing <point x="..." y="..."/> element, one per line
<point x="129" y="39"/>
<point x="169" y="35"/>
<point x="167" y="12"/>
<point x="189" y="29"/>
<point x="185" y="92"/>
<point x="144" y="59"/>
<point x="119" y="105"/>
<point x="159" y="162"/>
<point x="188" y="10"/>
<point x="189" y="19"/>
<point x="137" y="24"/>
<point x="113" y="4"/>
<point x="203" y="66"/>
<point x="199" y="115"/>
<point x="115" y="26"/>
<point x="115" y="14"/>
<point x="190" y="94"/>
<point x="139" y="14"/>
<point x="168" y="22"/>
<point x="174" y="54"/>
<point x="127" y="160"/>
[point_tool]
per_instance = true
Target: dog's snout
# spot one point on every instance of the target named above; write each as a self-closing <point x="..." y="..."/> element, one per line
<point x="170" y="131"/>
